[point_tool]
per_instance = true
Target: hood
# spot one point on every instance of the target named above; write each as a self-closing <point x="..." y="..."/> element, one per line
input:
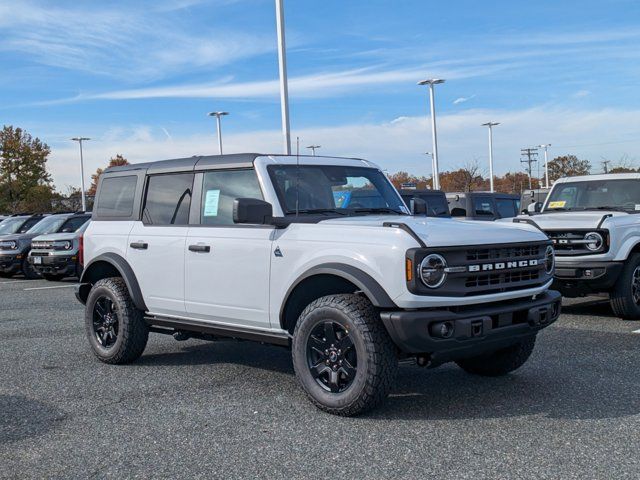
<point x="55" y="237"/>
<point x="17" y="236"/>
<point x="439" y="232"/>
<point x="571" y="220"/>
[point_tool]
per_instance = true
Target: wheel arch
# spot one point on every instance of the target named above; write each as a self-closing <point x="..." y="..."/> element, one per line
<point x="329" y="279"/>
<point x="110" y="265"/>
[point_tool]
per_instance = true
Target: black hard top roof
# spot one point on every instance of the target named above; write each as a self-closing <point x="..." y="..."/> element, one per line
<point x="494" y="194"/>
<point x="411" y="191"/>
<point x="191" y="163"/>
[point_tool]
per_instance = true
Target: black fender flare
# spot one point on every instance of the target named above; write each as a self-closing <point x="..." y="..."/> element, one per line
<point x="365" y="282"/>
<point x="126" y="272"/>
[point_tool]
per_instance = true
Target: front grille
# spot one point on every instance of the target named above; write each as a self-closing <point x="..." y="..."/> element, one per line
<point x="563" y="241"/>
<point x="502" y="278"/>
<point x="503" y="253"/>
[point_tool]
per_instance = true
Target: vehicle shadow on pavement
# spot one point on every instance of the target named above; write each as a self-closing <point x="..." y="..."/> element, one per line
<point x="599" y="308"/>
<point x="22" y="417"/>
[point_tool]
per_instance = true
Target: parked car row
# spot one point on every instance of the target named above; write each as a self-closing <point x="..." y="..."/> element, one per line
<point x="42" y="245"/>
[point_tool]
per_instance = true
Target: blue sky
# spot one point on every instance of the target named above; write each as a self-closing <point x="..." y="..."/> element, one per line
<point x="139" y="79"/>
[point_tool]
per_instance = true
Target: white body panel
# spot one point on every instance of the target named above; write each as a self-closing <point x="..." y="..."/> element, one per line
<point x="107" y="237"/>
<point x="159" y="268"/>
<point x="230" y="283"/>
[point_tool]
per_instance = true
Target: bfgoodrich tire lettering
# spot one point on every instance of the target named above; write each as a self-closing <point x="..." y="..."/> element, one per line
<point x="500" y="362"/>
<point x="625" y="296"/>
<point x="370" y="347"/>
<point x="127" y="332"/>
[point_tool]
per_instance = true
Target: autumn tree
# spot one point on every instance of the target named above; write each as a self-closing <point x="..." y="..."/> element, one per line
<point x="568" y="166"/>
<point x="403" y="177"/>
<point x="25" y="183"/>
<point x="465" y="179"/>
<point x="516" y="182"/>
<point x="116" y="161"/>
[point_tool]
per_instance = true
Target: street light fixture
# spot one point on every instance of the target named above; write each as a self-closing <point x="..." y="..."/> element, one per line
<point x="80" y="140"/>
<point x="546" y="164"/>
<point x="431" y="82"/>
<point x="218" y="115"/>
<point x="313" y="148"/>
<point x="490" y="125"/>
<point x="284" y="87"/>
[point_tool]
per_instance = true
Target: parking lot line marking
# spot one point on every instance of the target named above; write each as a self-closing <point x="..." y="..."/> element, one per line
<point x="47" y="288"/>
<point x="636" y="331"/>
<point x="15" y="281"/>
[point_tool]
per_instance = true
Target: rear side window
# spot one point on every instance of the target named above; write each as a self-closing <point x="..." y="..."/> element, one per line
<point x="220" y="189"/>
<point x="482" y="206"/>
<point x="168" y="199"/>
<point x="116" y="196"/>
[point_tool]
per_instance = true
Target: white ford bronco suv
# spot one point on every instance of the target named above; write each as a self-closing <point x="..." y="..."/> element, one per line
<point x="287" y="250"/>
<point x="594" y="223"/>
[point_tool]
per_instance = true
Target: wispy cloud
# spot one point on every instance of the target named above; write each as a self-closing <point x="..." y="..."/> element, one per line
<point x="132" y="43"/>
<point x="460" y="100"/>
<point x="581" y="94"/>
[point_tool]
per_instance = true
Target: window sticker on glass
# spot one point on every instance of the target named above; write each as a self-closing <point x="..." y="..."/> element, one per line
<point x="558" y="204"/>
<point x="211" y="201"/>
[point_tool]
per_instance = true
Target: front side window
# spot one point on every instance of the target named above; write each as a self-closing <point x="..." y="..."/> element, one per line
<point x="506" y="207"/>
<point x="621" y="194"/>
<point x="219" y="190"/>
<point x="317" y="189"/>
<point x="116" y="196"/>
<point x="168" y="199"/>
<point x="73" y="224"/>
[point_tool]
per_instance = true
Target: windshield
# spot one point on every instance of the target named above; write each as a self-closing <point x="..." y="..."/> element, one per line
<point x="48" y="225"/>
<point x="596" y="195"/>
<point x="10" y="225"/>
<point x="326" y="189"/>
<point x="437" y="205"/>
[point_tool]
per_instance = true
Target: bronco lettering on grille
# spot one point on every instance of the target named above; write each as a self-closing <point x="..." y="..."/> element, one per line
<point x="485" y="267"/>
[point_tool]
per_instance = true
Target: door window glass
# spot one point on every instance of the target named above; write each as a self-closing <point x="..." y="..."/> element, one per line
<point x="168" y="199"/>
<point x="506" y="207"/>
<point x="483" y="206"/>
<point x="219" y="190"/>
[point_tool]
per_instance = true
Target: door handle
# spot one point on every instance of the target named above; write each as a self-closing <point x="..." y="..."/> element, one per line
<point x="139" y="245"/>
<point x="200" y="248"/>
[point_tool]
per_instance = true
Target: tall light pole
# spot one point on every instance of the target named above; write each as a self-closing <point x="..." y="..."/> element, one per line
<point x="80" y="140"/>
<point x="313" y="148"/>
<point x="430" y="154"/>
<point x="218" y="115"/>
<point x="436" y="175"/>
<point x="546" y="164"/>
<point x="284" y="87"/>
<point x="490" y="125"/>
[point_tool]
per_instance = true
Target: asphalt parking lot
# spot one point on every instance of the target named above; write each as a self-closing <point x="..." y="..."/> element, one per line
<point x="233" y="410"/>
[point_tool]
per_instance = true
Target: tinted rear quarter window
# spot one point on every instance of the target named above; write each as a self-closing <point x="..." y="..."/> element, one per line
<point x="116" y="196"/>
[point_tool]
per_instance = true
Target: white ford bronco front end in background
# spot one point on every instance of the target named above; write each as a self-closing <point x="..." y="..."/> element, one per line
<point x="317" y="254"/>
<point x="594" y="224"/>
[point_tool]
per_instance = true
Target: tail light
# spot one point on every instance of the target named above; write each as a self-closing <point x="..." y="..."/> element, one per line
<point x="81" y="250"/>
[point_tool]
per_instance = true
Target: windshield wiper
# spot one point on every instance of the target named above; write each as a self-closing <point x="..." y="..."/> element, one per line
<point x="317" y="210"/>
<point x="608" y="207"/>
<point x="378" y="210"/>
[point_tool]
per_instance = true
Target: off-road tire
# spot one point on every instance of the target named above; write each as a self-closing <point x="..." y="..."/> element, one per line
<point x="500" y="362"/>
<point x="52" y="277"/>
<point x="133" y="332"/>
<point x="376" y="354"/>
<point x="621" y="296"/>
<point x="29" y="272"/>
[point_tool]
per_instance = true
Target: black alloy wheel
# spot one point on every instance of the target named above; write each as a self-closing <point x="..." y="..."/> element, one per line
<point x="331" y="356"/>
<point x="105" y="322"/>
<point x="635" y="285"/>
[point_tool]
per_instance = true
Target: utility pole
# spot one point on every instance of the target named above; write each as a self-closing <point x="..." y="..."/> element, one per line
<point x="80" y="140"/>
<point x="284" y="86"/>
<point x="313" y="149"/>
<point x="605" y="165"/>
<point x="434" y="136"/>
<point x="490" y="125"/>
<point x="530" y="153"/>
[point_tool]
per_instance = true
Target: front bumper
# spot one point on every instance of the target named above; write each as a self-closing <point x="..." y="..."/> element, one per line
<point x="476" y="330"/>
<point x="584" y="278"/>
<point x="54" y="264"/>
<point x="10" y="263"/>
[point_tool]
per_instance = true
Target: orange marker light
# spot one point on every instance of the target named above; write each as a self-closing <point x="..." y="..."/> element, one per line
<point x="409" y="269"/>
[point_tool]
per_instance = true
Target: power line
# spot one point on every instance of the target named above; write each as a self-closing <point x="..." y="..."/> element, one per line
<point x="530" y="153"/>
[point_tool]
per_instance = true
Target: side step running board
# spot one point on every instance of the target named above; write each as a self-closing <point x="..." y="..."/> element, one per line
<point x="207" y="328"/>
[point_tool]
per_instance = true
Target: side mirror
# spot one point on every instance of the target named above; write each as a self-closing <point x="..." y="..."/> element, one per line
<point x="537" y="207"/>
<point x="252" y="210"/>
<point x="418" y="206"/>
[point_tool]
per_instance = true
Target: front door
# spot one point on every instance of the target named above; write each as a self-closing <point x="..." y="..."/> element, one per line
<point x="227" y="265"/>
<point x="156" y="246"/>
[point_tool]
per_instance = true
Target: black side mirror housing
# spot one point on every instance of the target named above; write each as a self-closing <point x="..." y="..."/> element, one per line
<point x="252" y="211"/>
<point x="538" y="207"/>
<point x="418" y="206"/>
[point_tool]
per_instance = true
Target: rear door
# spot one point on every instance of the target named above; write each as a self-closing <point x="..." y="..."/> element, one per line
<point x="156" y="246"/>
<point x="227" y="265"/>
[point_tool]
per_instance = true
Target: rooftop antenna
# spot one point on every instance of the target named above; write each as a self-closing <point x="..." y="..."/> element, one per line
<point x="297" y="174"/>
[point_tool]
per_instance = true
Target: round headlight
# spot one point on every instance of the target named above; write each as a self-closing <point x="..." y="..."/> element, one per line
<point x="432" y="270"/>
<point x="10" y="245"/>
<point x="67" y="245"/>
<point x="549" y="260"/>
<point x="594" y="241"/>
